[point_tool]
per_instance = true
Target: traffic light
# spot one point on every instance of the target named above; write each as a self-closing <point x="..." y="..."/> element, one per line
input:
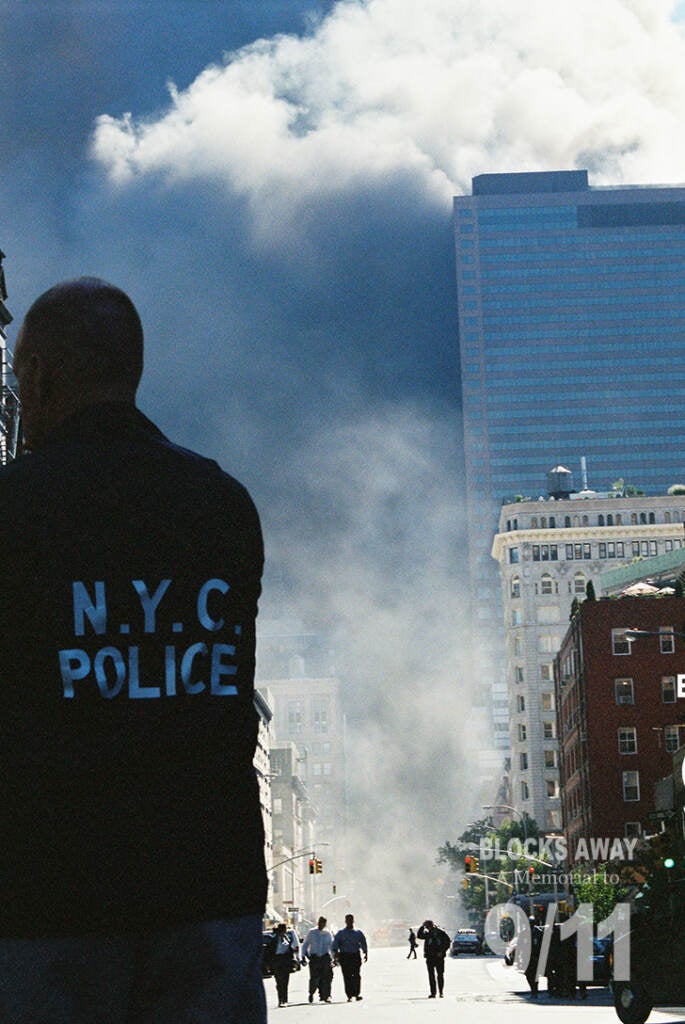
<point x="312" y="866"/>
<point x="475" y="864"/>
<point x="468" y="862"/>
<point x="465" y="883"/>
<point x="318" y="867"/>
<point x="664" y="849"/>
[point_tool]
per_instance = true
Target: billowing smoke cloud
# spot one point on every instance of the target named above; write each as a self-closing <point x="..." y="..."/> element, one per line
<point x="438" y="92"/>
<point x="376" y="566"/>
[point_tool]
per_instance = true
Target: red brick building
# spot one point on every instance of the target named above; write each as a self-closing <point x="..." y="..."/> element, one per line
<point x="619" y="717"/>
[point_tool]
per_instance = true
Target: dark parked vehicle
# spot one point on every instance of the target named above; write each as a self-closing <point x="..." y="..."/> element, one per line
<point x="657" y="953"/>
<point x="600" y="962"/>
<point x="266" y="939"/>
<point x="467" y="940"/>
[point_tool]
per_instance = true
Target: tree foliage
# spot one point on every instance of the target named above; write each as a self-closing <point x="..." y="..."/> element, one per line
<point x="500" y="868"/>
<point x="599" y="888"/>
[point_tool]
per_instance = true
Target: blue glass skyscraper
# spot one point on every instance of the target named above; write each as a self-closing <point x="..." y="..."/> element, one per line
<point x="572" y="340"/>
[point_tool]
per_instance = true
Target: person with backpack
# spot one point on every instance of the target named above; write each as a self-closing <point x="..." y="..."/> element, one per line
<point x="282" y="952"/>
<point x="436" y="942"/>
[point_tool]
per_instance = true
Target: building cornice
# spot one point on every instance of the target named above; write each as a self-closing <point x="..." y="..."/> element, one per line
<point x="578" y="534"/>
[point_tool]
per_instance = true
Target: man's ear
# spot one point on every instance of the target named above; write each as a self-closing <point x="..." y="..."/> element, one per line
<point x="42" y="380"/>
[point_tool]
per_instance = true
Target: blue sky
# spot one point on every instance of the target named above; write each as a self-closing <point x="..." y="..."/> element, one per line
<point x="272" y="184"/>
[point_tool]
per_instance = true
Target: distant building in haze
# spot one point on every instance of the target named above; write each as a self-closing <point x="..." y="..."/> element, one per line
<point x="262" y="765"/>
<point x="296" y="667"/>
<point x="571" y="318"/>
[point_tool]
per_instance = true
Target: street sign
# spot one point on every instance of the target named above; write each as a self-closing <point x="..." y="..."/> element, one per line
<point x="659" y="815"/>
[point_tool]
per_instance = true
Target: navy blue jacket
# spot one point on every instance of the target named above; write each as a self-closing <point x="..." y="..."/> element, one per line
<point x="131" y="571"/>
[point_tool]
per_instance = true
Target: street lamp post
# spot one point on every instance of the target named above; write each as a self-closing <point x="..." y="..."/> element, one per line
<point x="508" y="807"/>
<point x="635" y="634"/>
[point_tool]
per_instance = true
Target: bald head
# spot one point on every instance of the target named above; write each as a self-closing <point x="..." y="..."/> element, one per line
<point x="81" y="343"/>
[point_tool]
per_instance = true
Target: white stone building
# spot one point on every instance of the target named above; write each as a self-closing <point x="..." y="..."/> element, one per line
<point x="548" y="551"/>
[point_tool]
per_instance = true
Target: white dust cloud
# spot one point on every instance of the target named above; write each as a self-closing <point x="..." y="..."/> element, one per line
<point x="437" y="91"/>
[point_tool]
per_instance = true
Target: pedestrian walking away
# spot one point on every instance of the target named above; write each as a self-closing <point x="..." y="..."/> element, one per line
<point x="436" y="942"/>
<point x="282" y="951"/>
<point x="133" y="846"/>
<point x="412" y="944"/>
<point x="317" y="948"/>
<point x="531" y="971"/>
<point x="349" y="946"/>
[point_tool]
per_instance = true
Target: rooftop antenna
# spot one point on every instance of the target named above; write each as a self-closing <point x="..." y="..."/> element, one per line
<point x="583" y="472"/>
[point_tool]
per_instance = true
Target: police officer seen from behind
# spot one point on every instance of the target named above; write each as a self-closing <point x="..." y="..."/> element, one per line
<point x="132" y="845"/>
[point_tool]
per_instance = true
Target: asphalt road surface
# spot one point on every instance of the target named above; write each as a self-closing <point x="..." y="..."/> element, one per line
<point x="478" y="990"/>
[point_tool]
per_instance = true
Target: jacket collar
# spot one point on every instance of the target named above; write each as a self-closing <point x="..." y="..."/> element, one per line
<point x="102" y="420"/>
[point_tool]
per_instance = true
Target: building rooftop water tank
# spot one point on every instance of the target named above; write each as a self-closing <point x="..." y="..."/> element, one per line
<point x="560" y="482"/>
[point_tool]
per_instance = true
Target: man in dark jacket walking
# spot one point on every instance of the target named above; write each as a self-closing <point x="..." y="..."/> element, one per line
<point x="349" y="945"/>
<point x="435" y="945"/>
<point x="412" y="944"/>
<point x="132" y="841"/>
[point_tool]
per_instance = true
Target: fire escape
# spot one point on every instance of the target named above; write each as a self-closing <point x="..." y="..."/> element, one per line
<point x="9" y="401"/>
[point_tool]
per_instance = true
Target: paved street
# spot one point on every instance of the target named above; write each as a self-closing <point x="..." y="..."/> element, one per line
<point x="478" y="990"/>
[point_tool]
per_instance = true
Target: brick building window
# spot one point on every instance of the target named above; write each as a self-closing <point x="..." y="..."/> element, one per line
<point x="619" y="644"/>
<point x="666" y="640"/>
<point x="672" y="738"/>
<point x="631" y="786"/>
<point x="623" y="689"/>
<point x="668" y="692"/>
<point x="627" y="739"/>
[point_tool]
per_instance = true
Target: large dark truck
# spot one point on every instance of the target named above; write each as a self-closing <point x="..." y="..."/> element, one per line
<point x="656" y="952"/>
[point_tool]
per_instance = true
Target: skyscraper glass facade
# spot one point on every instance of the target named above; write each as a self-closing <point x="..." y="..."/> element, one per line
<point x="572" y="338"/>
<point x="572" y="331"/>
